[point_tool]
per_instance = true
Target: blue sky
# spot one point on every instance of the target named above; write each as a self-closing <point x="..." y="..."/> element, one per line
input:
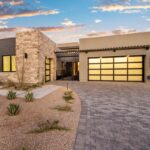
<point x="69" y="20"/>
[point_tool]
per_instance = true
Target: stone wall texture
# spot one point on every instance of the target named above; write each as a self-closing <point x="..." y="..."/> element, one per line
<point x="37" y="46"/>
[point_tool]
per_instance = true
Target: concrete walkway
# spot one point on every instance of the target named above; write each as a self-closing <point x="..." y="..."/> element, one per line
<point x="38" y="92"/>
<point x="114" y="116"/>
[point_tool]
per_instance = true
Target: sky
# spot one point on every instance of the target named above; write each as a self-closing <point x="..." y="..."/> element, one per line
<point x="69" y="20"/>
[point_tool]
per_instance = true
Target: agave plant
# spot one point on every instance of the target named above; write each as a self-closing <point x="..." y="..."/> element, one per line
<point x="13" y="109"/>
<point x="29" y="97"/>
<point x="11" y="95"/>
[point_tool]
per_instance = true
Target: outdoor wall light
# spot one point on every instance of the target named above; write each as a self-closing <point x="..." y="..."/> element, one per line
<point x="114" y="50"/>
<point x="25" y="55"/>
<point x="147" y="48"/>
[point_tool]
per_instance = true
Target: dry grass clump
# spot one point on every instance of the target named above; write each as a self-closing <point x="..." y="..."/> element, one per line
<point x="68" y="96"/>
<point x="65" y="108"/>
<point x="48" y="126"/>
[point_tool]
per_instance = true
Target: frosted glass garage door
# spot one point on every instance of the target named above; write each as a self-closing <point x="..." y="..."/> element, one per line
<point x="116" y="69"/>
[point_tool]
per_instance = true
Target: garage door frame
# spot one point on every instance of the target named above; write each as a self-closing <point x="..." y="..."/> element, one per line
<point x="143" y="68"/>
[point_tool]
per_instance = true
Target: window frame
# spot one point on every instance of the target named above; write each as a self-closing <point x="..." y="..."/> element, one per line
<point x="10" y="63"/>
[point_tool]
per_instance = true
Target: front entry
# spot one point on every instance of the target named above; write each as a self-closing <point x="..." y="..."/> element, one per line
<point x="129" y="68"/>
<point x="47" y="69"/>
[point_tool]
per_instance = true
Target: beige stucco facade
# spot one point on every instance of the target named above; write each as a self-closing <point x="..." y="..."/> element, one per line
<point x="37" y="47"/>
<point x="97" y="47"/>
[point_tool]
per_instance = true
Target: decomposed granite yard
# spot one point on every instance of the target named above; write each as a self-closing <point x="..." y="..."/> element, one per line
<point x="25" y="130"/>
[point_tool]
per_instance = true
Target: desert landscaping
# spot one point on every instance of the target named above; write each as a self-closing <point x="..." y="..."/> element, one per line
<point x="49" y="123"/>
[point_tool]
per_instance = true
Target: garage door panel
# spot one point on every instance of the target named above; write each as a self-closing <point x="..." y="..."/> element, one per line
<point x="120" y="59"/>
<point x="94" y="72"/>
<point x="106" y="66"/>
<point x="135" y="78"/>
<point x="106" y="60"/>
<point x="94" y="77"/>
<point x="103" y="72"/>
<point x="135" y="59"/>
<point x="119" y="72"/>
<point x="107" y="78"/>
<point x="94" y="66"/>
<point x="120" y="65"/>
<point x="135" y="65"/>
<point x="135" y="71"/>
<point x="120" y="78"/>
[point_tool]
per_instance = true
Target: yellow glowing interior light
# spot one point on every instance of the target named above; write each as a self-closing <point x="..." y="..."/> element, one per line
<point x="6" y="63"/>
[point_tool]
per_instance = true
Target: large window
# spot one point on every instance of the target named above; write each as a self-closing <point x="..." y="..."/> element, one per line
<point x="9" y="64"/>
<point x="116" y="68"/>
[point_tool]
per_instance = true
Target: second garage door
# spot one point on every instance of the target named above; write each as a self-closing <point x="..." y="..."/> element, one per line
<point x="116" y="69"/>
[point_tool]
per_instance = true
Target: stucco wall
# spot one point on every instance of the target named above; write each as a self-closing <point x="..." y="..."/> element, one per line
<point x="115" y="41"/>
<point x="83" y="58"/>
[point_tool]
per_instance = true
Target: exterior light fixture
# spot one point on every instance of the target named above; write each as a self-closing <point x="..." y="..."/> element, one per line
<point x="114" y="50"/>
<point x="25" y="55"/>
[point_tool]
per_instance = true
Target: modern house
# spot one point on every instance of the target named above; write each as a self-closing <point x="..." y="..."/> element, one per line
<point x="37" y="58"/>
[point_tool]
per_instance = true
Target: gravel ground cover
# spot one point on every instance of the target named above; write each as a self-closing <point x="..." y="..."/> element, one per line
<point x="14" y="130"/>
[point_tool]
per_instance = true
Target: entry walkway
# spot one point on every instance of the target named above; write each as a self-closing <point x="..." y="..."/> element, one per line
<point x="38" y="92"/>
<point x="114" y="116"/>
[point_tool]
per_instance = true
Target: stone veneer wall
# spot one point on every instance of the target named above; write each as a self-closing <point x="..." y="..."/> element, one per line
<point x="46" y="49"/>
<point x="37" y="46"/>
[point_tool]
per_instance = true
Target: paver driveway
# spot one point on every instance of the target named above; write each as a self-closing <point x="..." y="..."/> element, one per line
<point x="114" y="116"/>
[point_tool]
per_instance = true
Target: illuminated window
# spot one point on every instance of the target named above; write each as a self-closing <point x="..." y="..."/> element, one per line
<point x="9" y="63"/>
<point x="13" y="63"/>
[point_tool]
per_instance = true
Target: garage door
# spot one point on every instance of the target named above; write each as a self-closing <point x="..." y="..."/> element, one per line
<point x="116" y="69"/>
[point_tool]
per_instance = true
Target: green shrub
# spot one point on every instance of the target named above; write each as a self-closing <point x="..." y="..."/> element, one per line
<point x="13" y="109"/>
<point x="29" y="97"/>
<point x="11" y="95"/>
<point x="49" y="126"/>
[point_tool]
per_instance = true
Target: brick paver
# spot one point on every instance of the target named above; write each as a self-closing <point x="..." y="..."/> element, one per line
<point x="114" y="116"/>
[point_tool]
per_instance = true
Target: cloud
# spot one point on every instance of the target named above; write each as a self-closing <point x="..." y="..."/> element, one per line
<point x="11" y="2"/>
<point x="147" y="19"/>
<point x="43" y="29"/>
<point x="3" y="22"/>
<point x="119" y="31"/>
<point x="121" y="8"/>
<point x="145" y="0"/>
<point x="22" y="8"/>
<point x="68" y="23"/>
<point x="97" y="21"/>
<point x="28" y="14"/>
